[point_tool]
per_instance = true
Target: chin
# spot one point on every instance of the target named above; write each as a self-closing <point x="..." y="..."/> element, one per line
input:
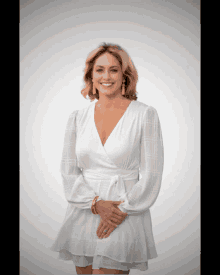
<point x="108" y="91"/>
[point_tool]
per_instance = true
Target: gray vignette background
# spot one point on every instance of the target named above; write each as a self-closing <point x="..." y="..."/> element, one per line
<point x="163" y="40"/>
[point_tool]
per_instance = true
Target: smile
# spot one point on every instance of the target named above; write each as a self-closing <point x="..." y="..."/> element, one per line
<point x="107" y="84"/>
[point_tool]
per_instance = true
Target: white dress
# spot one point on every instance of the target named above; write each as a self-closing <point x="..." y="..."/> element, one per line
<point x="111" y="172"/>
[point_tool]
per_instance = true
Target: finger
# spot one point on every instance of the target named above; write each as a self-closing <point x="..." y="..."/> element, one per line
<point x="109" y="232"/>
<point x="117" y="217"/>
<point x="121" y="213"/>
<point x="108" y="227"/>
<point x="101" y="226"/>
<point x="102" y="234"/>
<point x="118" y="212"/>
<point x="116" y="220"/>
<point x="110" y="223"/>
<point x="117" y="202"/>
<point x="104" y="227"/>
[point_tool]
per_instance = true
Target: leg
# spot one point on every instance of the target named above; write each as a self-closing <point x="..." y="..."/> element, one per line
<point x="84" y="270"/>
<point x="109" y="271"/>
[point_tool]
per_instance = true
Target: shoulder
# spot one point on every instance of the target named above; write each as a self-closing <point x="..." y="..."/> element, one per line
<point x="150" y="116"/>
<point x="143" y="108"/>
<point x="140" y="105"/>
<point x="146" y="113"/>
<point x="81" y="112"/>
<point x="80" y="117"/>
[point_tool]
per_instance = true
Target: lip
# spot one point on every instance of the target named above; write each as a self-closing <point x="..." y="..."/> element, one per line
<point x="107" y="82"/>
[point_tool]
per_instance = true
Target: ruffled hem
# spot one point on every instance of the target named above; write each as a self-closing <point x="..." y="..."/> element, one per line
<point x="99" y="261"/>
<point x="129" y="246"/>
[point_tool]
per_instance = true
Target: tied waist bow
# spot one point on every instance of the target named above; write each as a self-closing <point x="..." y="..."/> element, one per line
<point x="113" y="185"/>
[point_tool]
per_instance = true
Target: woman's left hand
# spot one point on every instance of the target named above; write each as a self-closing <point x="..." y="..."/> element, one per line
<point x="104" y="225"/>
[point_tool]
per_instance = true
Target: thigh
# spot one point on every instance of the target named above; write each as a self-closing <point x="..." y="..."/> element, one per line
<point x="84" y="270"/>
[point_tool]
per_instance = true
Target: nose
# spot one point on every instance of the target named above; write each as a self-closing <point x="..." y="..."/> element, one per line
<point x="106" y="75"/>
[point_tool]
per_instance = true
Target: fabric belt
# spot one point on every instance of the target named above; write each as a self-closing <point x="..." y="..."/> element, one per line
<point x="116" y="178"/>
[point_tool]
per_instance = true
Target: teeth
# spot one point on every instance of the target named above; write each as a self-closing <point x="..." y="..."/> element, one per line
<point x="107" y="84"/>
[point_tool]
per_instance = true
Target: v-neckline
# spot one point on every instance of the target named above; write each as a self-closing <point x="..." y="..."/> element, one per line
<point x="93" y="116"/>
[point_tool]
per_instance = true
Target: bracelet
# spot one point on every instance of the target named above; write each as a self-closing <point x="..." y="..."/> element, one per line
<point x="94" y="210"/>
<point x="93" y="207"/>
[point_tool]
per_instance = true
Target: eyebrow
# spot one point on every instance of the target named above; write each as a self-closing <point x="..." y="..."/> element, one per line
<point x="103" y="67"/>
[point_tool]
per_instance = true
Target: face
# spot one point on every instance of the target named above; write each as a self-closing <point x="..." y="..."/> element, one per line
<point x="107" y="69"/>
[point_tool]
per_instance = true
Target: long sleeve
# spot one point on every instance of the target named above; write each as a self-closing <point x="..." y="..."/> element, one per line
<point x="145" y="192"/>
<point x="76" y="190"/>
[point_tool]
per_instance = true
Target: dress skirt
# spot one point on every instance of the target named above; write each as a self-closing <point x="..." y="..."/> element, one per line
<point x="129" y="246"/>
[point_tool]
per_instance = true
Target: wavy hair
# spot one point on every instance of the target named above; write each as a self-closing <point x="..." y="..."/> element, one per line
<point x="128" y="69"/>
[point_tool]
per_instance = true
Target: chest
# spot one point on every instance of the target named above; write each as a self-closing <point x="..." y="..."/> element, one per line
<point x="106" y="121"/>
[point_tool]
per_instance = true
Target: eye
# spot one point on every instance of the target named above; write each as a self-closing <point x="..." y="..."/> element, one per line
<point x="101" y="70"/>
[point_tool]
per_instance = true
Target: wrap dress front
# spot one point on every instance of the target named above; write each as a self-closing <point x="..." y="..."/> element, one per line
<point x="128" y="167"/>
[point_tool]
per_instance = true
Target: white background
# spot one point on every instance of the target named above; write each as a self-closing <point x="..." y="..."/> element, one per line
<point x="163" y="40"/>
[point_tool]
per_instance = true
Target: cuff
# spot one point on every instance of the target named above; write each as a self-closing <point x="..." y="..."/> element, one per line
<point x="121" y="208"/>
<point x="90" y="204"/>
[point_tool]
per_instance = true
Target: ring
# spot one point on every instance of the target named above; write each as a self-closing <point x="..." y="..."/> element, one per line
<point x="105" y="230"/>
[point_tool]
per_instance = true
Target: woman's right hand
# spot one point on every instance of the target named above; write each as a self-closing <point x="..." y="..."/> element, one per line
<point x="109" y="212"/>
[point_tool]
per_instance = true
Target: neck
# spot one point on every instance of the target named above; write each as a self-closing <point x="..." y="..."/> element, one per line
<point x="110" y="101"/>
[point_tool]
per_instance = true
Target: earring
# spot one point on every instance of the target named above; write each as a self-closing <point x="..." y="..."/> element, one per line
<point x="123" y="88"/>
<point x="94" y="89"/>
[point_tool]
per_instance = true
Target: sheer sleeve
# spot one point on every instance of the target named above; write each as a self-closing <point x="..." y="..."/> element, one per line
<point x="145" y="192"/>
<point x="76" y="190"/>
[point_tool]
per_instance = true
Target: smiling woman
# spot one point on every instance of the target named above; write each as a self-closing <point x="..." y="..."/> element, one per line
<point x="115" y="66"/>
<point x="107" y="228"/>
<point x="107" y="79"/>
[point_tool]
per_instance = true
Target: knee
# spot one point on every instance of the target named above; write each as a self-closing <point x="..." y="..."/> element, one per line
<point x="97" y="271"/>
<point x="84" y="270"/>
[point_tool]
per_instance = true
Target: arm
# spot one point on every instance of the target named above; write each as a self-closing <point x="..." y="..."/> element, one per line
<point x="145" y="192"/>
<point x="76" y="190"/>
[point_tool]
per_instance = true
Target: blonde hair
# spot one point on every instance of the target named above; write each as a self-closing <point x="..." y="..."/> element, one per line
<point x="128" y="69"/>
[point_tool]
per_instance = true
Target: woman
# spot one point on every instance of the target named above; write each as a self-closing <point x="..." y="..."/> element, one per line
<point x="107" y="228"/>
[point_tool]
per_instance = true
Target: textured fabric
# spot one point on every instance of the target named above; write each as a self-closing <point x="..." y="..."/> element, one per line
<point x="88" y="169"/>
